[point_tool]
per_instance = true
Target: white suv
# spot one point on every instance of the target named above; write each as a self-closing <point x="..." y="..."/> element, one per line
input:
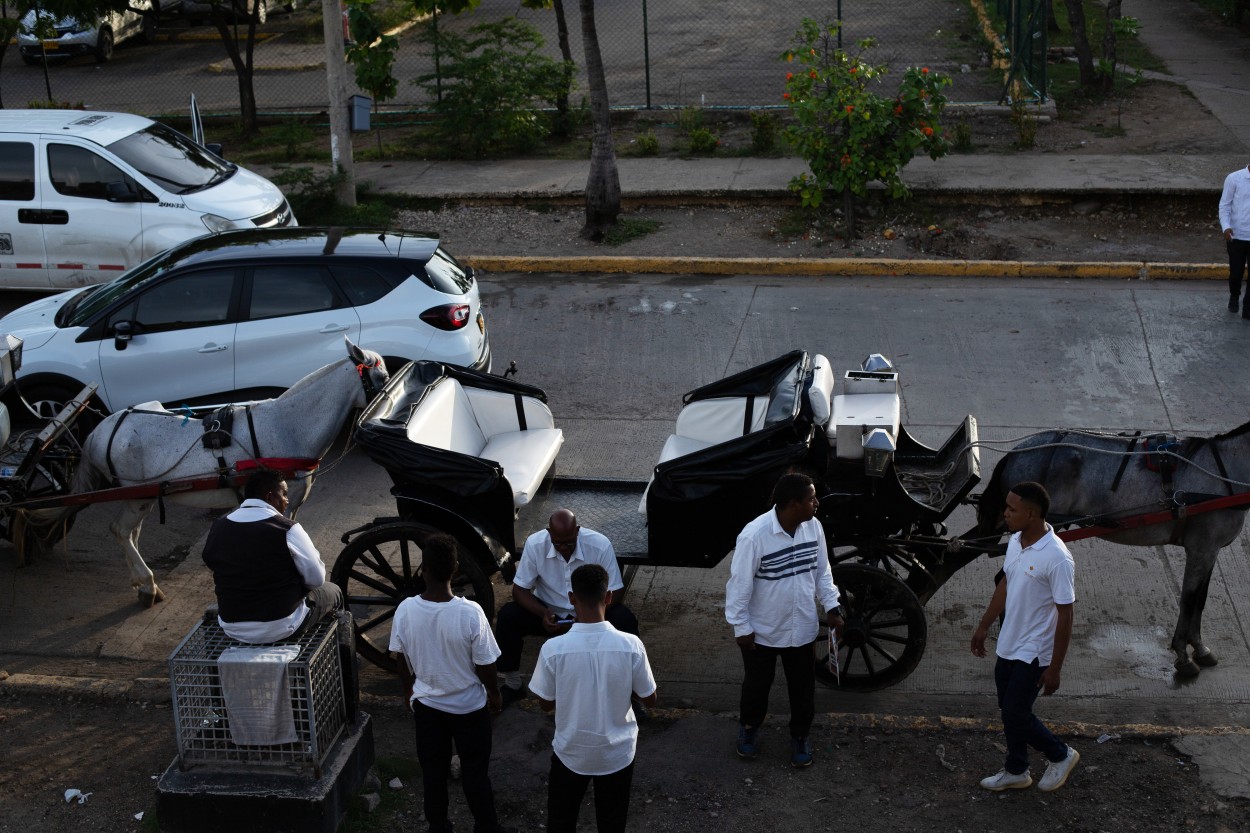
<point x="69" y="36"/>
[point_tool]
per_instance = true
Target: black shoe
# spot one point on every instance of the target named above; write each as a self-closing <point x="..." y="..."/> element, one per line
<point x="1233" y="305"/>
<point x="510" y="695"/>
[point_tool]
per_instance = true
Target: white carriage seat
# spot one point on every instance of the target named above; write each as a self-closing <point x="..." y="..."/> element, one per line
<point x="487" y="424"/>
<point x="820" y="394"/>
<point x="710" y="422"/>
<point x="854" y="415"/>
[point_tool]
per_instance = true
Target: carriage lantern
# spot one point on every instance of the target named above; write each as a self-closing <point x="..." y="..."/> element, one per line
<point x="879" y="450"/>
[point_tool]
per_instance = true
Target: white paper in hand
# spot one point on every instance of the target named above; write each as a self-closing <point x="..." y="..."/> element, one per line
<point x="834" y="666"/>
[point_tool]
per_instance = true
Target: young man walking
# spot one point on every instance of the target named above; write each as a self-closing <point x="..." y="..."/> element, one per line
<point x="589" y="677"/>
<point x="1037" y="593"/>
<point x="1235" y="225"/>
<point x="451" y="653"/>
<point x="780" y="569"/>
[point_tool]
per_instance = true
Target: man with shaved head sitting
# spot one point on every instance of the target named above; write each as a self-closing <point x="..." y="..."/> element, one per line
<point x="540" y="603"/>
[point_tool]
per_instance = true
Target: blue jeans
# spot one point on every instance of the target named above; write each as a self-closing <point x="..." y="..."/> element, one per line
<point x="1017" y="689"/>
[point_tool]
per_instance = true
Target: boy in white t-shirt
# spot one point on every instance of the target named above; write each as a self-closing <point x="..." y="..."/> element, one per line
<point x="1036" y="596"/>
<point x="450" y="654"/>
<point x="588" y="676"/>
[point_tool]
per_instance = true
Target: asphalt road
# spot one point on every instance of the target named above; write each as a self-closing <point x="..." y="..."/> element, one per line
<point x="615" y="354"/>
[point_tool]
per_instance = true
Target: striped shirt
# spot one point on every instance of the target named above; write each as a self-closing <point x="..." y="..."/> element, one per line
<point x="775" y="581"/>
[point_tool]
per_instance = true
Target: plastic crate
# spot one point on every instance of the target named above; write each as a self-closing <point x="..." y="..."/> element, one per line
<point x="202" y="722"/>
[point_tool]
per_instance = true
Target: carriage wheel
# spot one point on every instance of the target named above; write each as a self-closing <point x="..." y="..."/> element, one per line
<point x="885" y="633"/>
<point x="380" y="568"/>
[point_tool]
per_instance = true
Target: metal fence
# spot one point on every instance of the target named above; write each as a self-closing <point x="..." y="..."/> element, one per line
<point x="656" y="54"/>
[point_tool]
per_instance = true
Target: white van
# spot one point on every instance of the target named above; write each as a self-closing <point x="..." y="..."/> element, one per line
<point x="85" y="196"/>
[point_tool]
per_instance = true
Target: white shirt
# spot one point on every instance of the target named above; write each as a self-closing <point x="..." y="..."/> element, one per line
<point x="443" y="642"/>
<point x="307" y="561"/>
<point x="775" y="581"/>
<point x="590" y="672"/>
<point x="546" y="574"/>
<point x="1235" y="204"/>
<point x="1039" y="577"/>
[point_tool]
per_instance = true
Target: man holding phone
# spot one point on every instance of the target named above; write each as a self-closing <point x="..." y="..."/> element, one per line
<point x="540" y="603"/>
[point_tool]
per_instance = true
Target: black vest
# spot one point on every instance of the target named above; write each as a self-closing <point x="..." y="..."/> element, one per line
<point x="253" y="570"/>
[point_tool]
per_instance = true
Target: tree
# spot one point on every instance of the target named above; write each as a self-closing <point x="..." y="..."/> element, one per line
<point x="1080" y="42"/>
<point x="432" y="9"/>
<point x="563" y="122"/>
<point x="603" y="186"/>
<point x="240" y="48"/>
<point x="372" y="54"/>
<point x="47" y="12"/>
<point x="8" y="30"/>
<point x="849" y="134"/>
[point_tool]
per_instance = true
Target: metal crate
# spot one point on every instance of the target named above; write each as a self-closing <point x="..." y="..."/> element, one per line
<point x="201" y="720"/>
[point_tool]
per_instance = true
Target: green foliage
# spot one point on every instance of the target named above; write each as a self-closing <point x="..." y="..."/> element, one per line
<point x="44" y="104"/>
<point x="1026" y="125"/>
<point x="763" y="133"/>
<point x="648" y="144"/>
<point x="689" y="119"/>
<point x="847" y="131"/>
<point x="492" y="79"/>
<point x="703" y="141"/>
<point x="292" y="135"/>
<point x="963" y="137"/>
<point x="311" y="196"/>
<point x="373" y="53"/>
<point x="628" y="229"/>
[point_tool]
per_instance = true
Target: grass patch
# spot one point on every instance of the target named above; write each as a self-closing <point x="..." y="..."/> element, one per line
<point x="794" y="223"/>
<point x="383" y="818"/>
<point x="1130" y="52"/>
<point x="629" y="229"/>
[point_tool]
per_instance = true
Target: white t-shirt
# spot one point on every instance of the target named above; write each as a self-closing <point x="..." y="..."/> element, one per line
<point x="1039" y="577"/>
<point x="590" y="673"/>
<point x="442" y="642"/>
<point x="546" y="574"/>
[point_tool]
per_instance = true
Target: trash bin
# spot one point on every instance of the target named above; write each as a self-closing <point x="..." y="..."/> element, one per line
<point x="358" y="107"/>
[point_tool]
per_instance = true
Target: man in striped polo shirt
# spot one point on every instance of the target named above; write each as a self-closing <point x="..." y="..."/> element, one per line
<point x="780" y="570"/>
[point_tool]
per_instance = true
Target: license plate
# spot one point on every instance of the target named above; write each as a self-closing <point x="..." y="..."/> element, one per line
<point x="50" y="45"/>
<point x="481" y="324"/>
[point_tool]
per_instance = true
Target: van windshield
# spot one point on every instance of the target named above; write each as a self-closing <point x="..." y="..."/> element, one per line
<point x="172" y="160"/>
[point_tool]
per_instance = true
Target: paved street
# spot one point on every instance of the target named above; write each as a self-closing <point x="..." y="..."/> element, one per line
<point x="615" y="354"/>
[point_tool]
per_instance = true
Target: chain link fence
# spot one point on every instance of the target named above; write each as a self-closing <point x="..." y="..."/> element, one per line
<point x="657" y="53"/>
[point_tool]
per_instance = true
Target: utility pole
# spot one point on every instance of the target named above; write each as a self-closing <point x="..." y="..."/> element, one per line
<point x="336" y="79"/>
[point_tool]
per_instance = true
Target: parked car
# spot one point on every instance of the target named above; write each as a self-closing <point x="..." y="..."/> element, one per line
<point x="244" y="314"/>
<point x="199" y="11"/>
<point x="84" y="195"/>
<point x="70" y="36"/>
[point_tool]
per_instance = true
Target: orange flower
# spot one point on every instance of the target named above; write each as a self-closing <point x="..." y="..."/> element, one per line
<point x="786" y="96"/>
<point x="928" y="131"/>
<point x="812" y="74"/>
<point x="846" y="160"/>
<point x="898" y="110"/>
<point x="813" y="53"/>
<point x="854" y="70"/>
<point x="789" y="75"/>
<point x="850" y="108"/>
<point x="924" y="70"/>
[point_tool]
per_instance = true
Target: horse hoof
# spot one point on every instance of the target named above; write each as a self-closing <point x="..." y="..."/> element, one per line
<point x="1206" y="660"/>
<point x="148" y="600"/>
<point x="1186" y="668"/>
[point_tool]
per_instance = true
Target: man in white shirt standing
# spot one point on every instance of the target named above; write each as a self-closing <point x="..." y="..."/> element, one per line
<point x="589" y="677"/>
<point x="1037" y="593"/>
<point x="1235" y="222"/>
<point x="450" y="654"/>
<point x="780" y="569"/>
<point x="540" y="592"/>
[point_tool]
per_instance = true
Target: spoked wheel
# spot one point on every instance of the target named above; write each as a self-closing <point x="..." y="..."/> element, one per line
<point x="382" y="567"/>
<point x="885" y="633"/>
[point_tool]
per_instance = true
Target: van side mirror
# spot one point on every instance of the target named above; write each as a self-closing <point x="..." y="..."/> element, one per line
<point x="120" y="192"/>
<point x="123" y="331"/>
<point x="215" y="149"/>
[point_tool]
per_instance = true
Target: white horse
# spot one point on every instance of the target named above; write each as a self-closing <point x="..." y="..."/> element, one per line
<point x="152" y="446"/>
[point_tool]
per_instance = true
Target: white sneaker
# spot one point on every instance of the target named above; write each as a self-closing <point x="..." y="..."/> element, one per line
<point x="1057" y="772"/>
<point x="1004" y="780"/>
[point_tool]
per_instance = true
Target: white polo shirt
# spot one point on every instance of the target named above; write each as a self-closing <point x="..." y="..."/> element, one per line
<point x="590" y="673"/>
<point x="442" y="642"/>
<point x="1039" y="577"/>
<point x="546" y="574"/>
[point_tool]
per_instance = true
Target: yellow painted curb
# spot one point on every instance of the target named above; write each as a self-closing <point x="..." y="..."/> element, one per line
<point x="834" y="267"/>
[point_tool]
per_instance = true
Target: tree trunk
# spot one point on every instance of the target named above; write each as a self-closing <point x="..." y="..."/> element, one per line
<point x="1052" y="25"/>
<point x="1108" y="45"/>
<point x="848" y="214"/>
<point x="603" y="187"/>
<point x="248" y="122"/>
<point x="563" y="125"/>
<point x="1080" y="40"/>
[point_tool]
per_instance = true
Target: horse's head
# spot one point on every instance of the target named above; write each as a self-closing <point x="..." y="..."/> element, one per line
<point x="371" y="367"/>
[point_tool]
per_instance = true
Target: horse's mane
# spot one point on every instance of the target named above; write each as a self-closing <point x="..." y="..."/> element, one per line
<point x="1236" y="432"/>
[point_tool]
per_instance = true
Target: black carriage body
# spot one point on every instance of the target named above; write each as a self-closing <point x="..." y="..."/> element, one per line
<point x="458" y="493"/>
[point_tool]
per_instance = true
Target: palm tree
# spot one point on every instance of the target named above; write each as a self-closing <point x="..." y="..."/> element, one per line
<point x="603" y="187"/>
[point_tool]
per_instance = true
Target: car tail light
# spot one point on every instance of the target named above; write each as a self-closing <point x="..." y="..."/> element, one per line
<point x="447" y="317"/>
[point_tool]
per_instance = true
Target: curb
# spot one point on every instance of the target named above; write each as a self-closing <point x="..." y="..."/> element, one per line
<point x="849" y="267"/>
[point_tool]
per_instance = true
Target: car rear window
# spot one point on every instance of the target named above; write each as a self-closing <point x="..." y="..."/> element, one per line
<point x="443" y="273"/>
<point x="290" y="290"/>
<point x="362" y="285"/>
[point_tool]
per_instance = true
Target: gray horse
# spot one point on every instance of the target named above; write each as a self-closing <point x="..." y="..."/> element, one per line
<point x="1079" y="470"/>
<point x="153" y="447"/>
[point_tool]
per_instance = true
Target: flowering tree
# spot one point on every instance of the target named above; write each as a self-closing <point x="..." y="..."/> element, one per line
<point x="849" y="133"/>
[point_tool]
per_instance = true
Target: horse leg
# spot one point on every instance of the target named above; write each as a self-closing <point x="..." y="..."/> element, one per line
<point x="299" y="494"/>
<point x="126" y="530"/>
<point x="1194" y="586"/>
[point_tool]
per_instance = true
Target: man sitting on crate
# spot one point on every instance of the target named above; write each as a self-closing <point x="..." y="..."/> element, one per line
<point x="270" y="580"/>
<point x="540" y="603"/>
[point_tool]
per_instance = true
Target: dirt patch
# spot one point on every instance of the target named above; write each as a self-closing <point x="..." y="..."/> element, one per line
<point x="687" y="778"/>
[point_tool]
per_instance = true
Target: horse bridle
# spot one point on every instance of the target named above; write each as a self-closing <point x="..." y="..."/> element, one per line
<point x="366" y="380"/>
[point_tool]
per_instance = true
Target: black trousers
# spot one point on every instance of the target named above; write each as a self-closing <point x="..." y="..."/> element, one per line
<point x="436" y="730"/>
<point x="513" y="623"/>
<point x="566" y="789"/>
<point x="760" y="666"/>
<point x="1238" y="254"/>
<point x="1016" y="682"/>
